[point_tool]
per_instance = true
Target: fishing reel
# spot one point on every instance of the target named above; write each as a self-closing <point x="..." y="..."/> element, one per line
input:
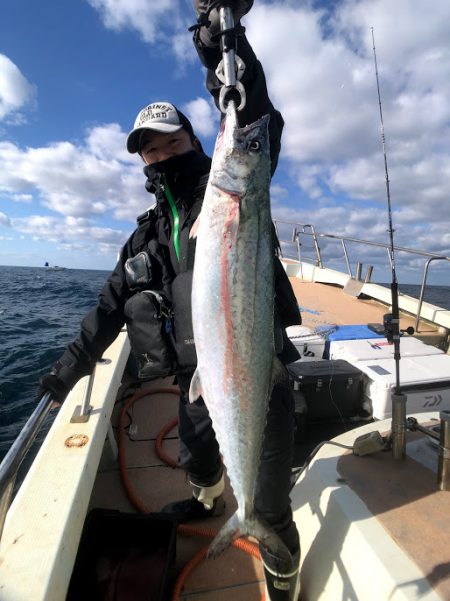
<point x="391" y="328"/>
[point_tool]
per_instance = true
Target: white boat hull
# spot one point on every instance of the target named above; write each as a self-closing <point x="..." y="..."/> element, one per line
<point x="44" y="523"/>
<point x="348" y="552"/>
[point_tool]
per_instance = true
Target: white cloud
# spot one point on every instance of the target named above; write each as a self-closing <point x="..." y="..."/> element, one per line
<point x="15" y="91"/>
<point x="203" y="115"/>
<point x="71" y="233"/>
<point x="107" y="143"/>
<point x="145" y="16"/>
<point x="4" y="220"/>
<point x="322" y="79"/>
<point x="162" y="22"/>
<point x="80" y="181"/>
<point x="85" y="185"/>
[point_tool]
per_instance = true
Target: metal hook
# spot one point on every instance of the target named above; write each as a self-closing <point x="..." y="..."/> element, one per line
<point x="224" y="91"/>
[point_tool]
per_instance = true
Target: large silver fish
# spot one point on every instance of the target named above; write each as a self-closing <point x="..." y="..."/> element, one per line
<point x="232" y="311"/>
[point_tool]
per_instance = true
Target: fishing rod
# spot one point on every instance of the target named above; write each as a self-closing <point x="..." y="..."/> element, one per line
<point x="391" y="321"/>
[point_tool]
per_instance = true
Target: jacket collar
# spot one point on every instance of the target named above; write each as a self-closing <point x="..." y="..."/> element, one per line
<point x="181" y="173"/>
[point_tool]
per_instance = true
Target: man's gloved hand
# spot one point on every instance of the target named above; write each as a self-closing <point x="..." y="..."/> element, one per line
<point x="58" y="382"/>
<point x="209" y="34"/>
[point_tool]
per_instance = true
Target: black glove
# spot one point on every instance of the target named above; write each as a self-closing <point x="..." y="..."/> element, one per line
<point x="58" y="382"/>
<point x="209" y="33"/>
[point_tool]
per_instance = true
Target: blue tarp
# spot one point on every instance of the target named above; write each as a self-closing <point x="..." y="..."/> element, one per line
<point x="351" y="332"/>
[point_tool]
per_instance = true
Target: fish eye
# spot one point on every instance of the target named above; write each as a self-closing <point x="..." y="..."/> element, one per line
<point x="254" y="146"/>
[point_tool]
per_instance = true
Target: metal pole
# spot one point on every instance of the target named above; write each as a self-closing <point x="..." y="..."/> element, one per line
<point x="444" y="452"/>
<point x="398" y="425"/>
<point x="17" y="452"/>
<point x="422" y="289"/>
<point x="368" y="274"/>
<point x="349" y="269"/>
<point x="228" y="46"/>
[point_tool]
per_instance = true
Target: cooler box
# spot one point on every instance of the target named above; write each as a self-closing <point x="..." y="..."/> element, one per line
<point x="123" y="556"/>
<point x="425" y="380"/>
<point x="333" y="389"/>
<point x="346" y="332"/>
<point x="363" y="350"/>
<point x="310" y="346"/>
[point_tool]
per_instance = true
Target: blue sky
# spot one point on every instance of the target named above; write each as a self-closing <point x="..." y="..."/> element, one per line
<point x="74" y="74"/>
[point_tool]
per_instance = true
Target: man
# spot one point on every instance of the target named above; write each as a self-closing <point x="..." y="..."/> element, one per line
<point x="152" y="281"/>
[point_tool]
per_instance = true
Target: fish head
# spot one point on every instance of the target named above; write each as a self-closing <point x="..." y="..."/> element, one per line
<point x="241" y="159"/>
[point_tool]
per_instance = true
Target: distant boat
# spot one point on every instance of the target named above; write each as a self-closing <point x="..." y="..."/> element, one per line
<point x="54" y="267"/>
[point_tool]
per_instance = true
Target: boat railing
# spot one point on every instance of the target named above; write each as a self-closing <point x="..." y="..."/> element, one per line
<point x="300" y="230"/>
<point x="424" y="283"/>
<point x="16" y="454"/>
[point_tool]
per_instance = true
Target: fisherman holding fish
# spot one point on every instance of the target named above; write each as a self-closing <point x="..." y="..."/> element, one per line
<point x="242" y="302"/>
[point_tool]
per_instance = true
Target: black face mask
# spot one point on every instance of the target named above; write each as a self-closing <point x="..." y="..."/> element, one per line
<point x="178" y="164"/>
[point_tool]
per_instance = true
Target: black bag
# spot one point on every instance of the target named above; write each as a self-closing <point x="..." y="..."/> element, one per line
<point x="148" y="317"/>
<point x="182" y="311"/>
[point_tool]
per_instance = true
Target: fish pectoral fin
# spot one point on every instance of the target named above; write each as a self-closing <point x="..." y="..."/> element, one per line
<point x="195" y="389"/>
<point x="279" y="373"/>
<point x="194" y="229"/>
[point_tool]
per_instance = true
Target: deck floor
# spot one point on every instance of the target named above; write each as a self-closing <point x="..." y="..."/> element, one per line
<point x="235" y="573"/>
<point x="325" y="304"/>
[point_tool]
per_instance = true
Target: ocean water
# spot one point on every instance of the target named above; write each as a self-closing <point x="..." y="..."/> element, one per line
<point x="40" y="313"/>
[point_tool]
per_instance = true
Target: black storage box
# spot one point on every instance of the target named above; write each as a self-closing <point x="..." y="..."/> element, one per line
<point x="123" y="557"/>
<point x="333" y="389"/>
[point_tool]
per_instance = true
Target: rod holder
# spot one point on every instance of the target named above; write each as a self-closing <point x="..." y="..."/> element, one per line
<point x="444" y="452"/>
<point x="358" y="271"/>
<point x="398" y="426"/>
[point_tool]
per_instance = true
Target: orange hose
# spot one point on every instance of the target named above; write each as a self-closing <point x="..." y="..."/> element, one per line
<point x="135" y="500"/>
<point x="183" y="529"/>
<point x="159" y="443"/>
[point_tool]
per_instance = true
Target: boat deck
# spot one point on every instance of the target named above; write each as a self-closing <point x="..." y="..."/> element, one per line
<point x="155" y="484"/>
<point x="325" y="304"/>
<point x="235" y="573"/>
<point x="374" y="527"/>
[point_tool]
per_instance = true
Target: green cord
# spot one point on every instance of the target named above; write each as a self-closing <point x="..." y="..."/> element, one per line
<point x="176" y="219"/>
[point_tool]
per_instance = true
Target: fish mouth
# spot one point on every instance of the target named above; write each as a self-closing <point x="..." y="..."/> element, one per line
<point x="228" y="191"/>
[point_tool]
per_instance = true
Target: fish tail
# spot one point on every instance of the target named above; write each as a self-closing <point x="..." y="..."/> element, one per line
<point x="226" y="535"/>
<point x="253" y="526"/>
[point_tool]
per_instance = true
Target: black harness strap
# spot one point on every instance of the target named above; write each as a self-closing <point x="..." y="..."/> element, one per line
<point x="187" y="243"/>
<point x="144" y="230"/>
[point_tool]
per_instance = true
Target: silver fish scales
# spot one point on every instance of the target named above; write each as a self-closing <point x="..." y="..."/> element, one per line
<point x="232" y="311"/>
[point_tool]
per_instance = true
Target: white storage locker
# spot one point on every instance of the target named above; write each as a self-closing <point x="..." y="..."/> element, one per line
<point x="379" y="348"/>
<point x="425" y="380"/>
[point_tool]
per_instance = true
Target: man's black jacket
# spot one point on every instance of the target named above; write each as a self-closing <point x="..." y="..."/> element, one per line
<point x="186" y="177"/>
